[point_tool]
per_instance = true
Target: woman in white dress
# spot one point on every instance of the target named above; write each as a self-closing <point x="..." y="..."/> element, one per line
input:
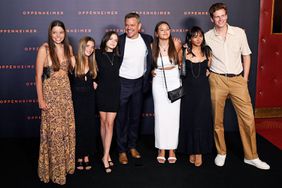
<point x="167" y="114"/>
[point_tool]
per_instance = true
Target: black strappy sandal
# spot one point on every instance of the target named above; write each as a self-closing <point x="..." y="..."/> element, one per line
<point x="107" y="169"/>
<point x="87" y="165"/>
<point x="111" y="163"/>
<point x="79" y="165"/>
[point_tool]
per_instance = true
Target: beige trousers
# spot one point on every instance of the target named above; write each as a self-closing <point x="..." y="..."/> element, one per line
<point x="237" y="89"/>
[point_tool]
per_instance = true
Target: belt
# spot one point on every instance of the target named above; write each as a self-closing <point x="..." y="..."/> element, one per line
<point x="227" y="74"/>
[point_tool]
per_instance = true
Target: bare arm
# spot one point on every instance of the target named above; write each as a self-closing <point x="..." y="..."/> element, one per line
<point x="177" y="44"/>
<point x="246" y="66"/>
<point x="72" y="57"/>
<point x="72" y="62"/>
<point x="209" y="65"/>
<point x="178" y="47"/>
<point x="180" y="57"/>
<point x="40" y="59"/>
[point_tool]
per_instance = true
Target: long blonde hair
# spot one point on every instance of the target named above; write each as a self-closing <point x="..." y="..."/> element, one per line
<point x="81" y="59"/>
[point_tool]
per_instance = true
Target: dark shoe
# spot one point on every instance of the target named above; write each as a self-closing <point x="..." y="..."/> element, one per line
<point x="111" y="163"/>
<point x="87" y="166"/>
<point x="192" y="159"/>
<point x="106" y="168"/>
<point x="79" y="165"/>
<point x="135" y="154"/>
<point x="123" y="158"/>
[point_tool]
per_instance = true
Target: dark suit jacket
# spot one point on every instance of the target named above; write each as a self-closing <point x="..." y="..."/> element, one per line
<point x="148" y="40"/>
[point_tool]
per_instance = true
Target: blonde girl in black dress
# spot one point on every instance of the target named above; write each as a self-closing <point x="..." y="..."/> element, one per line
<point x="83" y="94"/>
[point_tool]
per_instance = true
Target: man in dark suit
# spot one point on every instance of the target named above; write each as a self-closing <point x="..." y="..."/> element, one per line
<point x="136" y="55"/>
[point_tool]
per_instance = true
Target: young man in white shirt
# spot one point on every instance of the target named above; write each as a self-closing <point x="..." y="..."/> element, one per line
<point x="229" y="78"/>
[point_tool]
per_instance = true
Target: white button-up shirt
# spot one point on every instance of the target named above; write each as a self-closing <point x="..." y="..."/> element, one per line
<point x="227" y="52"/>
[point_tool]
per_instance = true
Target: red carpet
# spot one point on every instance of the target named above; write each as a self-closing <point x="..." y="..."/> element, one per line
<point x="270" y="129"/>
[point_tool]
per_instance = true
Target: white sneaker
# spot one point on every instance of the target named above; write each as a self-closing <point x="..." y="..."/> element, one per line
<point x="257" y="163"/>
<point x="220" y="160"/>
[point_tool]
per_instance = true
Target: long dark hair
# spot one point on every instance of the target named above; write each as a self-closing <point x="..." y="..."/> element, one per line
<point x="105" y="39"/>
<point x="193" y="32"/>
<point x="65" y="42"/>
<point x="172" y="53"/>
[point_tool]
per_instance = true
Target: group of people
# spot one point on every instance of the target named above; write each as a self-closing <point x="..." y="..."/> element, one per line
<point x="114" y="78"/>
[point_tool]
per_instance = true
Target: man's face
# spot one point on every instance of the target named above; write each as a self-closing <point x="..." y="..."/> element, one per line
<point x="219" y="18"/>
<point x="132" y="27"/>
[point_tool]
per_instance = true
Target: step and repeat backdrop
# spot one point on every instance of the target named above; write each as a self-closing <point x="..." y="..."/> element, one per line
<point x="24" y="25"/>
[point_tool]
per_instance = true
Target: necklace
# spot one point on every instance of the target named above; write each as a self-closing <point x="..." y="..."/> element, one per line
<point x="111" y="60"/>
<point x="164" y="48"/>
<point x="199" y="70"/>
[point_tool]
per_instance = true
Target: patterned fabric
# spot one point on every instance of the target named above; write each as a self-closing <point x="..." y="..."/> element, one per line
<point x="57" y="131"/>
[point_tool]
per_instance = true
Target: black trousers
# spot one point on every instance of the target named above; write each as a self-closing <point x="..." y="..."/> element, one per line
<point x="85" y="123"/>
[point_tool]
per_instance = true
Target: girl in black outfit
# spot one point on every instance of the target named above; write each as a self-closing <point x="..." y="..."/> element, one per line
<point x="108" y="91"/>
<point x="196" y="129"/>
<point x="83" y="93"/>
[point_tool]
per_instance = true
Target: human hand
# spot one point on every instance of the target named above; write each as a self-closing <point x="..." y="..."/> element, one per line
<point x="207" y="73"/>
<point x="177" y="43"/>
<point x="153" y="73"/>
<point x="246" y="79"/>
<point x="42" y="105"/>
<point x="95" y="85"/>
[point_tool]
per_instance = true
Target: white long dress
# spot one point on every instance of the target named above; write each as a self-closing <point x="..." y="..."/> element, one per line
<point x="167" y="114"/>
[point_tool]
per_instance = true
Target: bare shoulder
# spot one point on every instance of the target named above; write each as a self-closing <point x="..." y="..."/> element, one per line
<point x="44" y="46"/>
<point x="42" y="50"/>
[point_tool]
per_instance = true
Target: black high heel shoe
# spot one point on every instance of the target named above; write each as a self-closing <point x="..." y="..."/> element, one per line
<point x="79" y="165"/>
<point x="111" y="163"/>
<point x="107" y="169"/>
<point x="87" y="165"/>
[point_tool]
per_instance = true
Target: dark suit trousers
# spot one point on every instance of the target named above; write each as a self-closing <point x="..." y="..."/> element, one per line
<point x="129" y="114"/>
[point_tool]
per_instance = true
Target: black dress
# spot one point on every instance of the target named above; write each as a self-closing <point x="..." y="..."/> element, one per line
<point x="108" y="90"/>
<point x="83" y="95"/>
<point x="196" y="128"/>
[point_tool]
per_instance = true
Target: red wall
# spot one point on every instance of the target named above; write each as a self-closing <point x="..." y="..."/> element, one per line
<point x="269" y="72"/>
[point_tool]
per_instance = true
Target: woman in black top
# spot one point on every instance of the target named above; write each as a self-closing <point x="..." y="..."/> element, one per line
<point x="108" y="91"/>
<point x="196" y="128"/>
<point x="83" y="93"/>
